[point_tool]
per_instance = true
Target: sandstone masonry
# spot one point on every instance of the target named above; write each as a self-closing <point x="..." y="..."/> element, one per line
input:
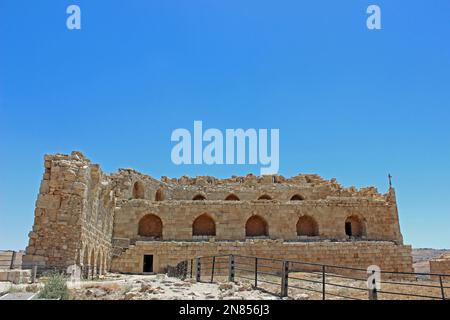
<point x="129" y="222"/>
<point x="440" y="265"/>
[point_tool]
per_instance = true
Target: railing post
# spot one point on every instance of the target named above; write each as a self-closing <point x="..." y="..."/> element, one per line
<point x="33" y="277"/>
<point x="192" y="267"/>
<point x="198" y="267"/>
<point x="213" y="268"/>
<point x="323" y="283"/>
<point x="284" y="279"/>
<point x="373" y="294"/>
<point x="256" y="272"/>
<point x="13" y="257"/>
<point x="86" y="272"/>
<point x="185" y="269"/>
<point x="231" y="269"/>
<point x="442" y="287"/>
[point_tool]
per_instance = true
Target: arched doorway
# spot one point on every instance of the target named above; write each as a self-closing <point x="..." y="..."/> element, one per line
<point x="297" y="197"/>
<point x="85" y="264"/>
<point x="99" y="263"/>
<point x="138" y="190"/>
<point x="159" y="196"/>
<point x="204" y="226"/>
<point x="256" y="226"/>
<point x="355" y="227"/>
<point x="199" y="197"/>
<point x="92" y="265"/>
<point x="150" y="226"/>
<point x="265" y="197"/>
<point x="105" y="262"/>
<point x="307" y="226"/>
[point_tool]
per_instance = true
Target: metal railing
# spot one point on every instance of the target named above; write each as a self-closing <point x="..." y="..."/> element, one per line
<point x="287" y="278"/>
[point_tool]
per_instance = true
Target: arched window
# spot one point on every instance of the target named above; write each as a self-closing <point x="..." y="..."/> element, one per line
<point x="138" y="190"/>
<point x="199" y="197"/>
<point x="354" y="227"/>
<point x="232" y="197"/>
<point x="307" y="226"/>
<point x="265" y="197"/>
<point x="204" y="226"/>
<point x="297" y="197"/>
<point x="99" y="262"/>
<point x="256" y="227"/>
<point x="159" y="196"/>
<point x="150" y="226"/>
<point x="86" y="262"/>
<point x="92" y="264"/>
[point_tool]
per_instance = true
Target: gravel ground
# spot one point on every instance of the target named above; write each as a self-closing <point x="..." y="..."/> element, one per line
<point x="162" y="287"/>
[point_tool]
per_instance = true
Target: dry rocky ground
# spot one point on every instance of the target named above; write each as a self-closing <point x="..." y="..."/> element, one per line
<point x="162" y="287"/>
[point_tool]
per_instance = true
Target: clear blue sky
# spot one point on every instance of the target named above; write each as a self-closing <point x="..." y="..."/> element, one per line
<point x="350" y="103"/>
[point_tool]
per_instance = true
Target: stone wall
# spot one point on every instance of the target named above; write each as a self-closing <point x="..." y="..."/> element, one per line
<point x="441" y="266"/>
<point x="386" y="255"/>
<point x="73" y="215"/>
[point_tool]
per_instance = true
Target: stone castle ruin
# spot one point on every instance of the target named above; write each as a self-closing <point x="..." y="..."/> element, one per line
<point x="131" y="223"/>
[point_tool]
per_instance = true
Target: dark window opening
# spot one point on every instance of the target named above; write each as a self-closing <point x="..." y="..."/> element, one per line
<point x="348" y="229"/>
<point x="297" y="197"/>
<point x="148" y="263"/>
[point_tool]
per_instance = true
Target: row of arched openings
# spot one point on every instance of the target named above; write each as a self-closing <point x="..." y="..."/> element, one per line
<point x="233" y="197"/>
<point x="151" y="226"/>
<point x="139" y="193"/>
<point x="93" y="262"/>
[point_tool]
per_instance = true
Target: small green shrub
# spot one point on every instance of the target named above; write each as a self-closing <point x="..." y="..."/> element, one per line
<point x="55" y="288"/>
<point x="32" y="288"/>
<point x="14" y="289"/>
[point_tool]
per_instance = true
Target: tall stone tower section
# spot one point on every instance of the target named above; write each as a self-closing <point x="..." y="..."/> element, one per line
<point x="73" y="217"/>
<point x="391" y="199"/>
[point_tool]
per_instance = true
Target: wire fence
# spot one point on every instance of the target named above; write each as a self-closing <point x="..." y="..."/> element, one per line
<point x="294" y="279"/>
